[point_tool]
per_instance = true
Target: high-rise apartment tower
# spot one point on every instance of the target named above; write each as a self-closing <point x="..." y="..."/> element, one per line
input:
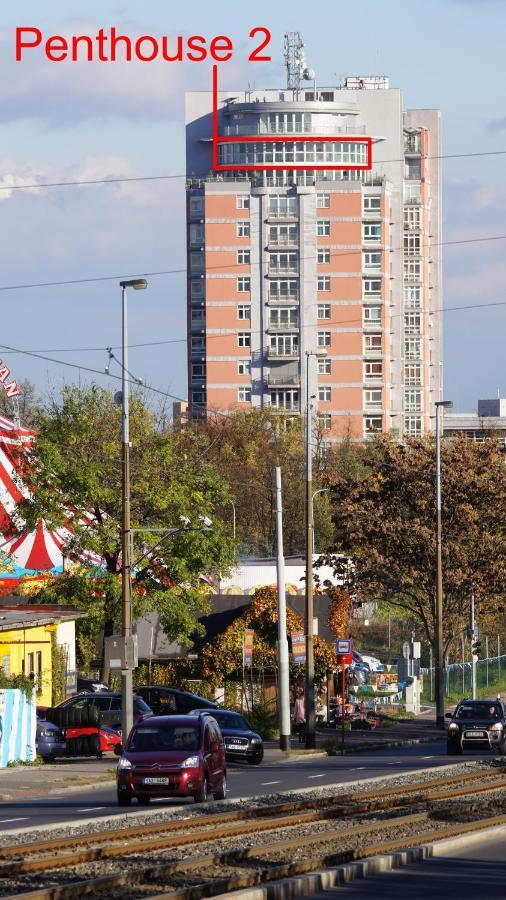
<point x="286" y="257"/>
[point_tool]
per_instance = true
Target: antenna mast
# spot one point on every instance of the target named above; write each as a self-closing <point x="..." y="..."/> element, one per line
<point x="295" y="62"/>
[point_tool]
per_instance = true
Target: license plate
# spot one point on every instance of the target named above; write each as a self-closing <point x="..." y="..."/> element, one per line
<point x="475" y="734"/>
<point x="155" y="780"/>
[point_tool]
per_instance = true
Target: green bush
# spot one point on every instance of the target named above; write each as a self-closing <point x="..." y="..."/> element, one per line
<point x="264" y="719"/>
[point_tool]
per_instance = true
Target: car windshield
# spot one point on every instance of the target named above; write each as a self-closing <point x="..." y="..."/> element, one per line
<point x="165" y="738"/>
<point x="235" y="721"/>
<point x="478" y="711"/>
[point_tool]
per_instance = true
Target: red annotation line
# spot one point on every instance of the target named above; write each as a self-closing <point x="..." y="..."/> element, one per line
<point x="285" y="138"/>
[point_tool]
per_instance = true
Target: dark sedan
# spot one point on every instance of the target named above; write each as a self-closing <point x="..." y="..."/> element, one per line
<point x="49" y="741"/>
<point x="241" y="742"/>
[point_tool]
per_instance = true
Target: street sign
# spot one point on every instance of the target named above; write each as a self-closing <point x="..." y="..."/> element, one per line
<point x="406" y="648"/>
<point x="344" y="652"/>
<point x="298" y="647"/>
<point x="247" y="652"/>
<point x="417" y="649"/>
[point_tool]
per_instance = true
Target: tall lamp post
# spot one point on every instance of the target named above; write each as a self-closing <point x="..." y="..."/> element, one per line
<point x="440" y="688"/>
<point x="310" y="690"/>
<point x="138" y="284"/>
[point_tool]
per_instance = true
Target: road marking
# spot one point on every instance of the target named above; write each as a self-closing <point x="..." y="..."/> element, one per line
<point x="318" y="776"/>
<point x="90" y="808"/>
<point x="19" y="819"/>
<point x="396" y="763"/>
<point x="358" y="768"/>
<point x="427" y="757"/>
<point x="265" y="783"/>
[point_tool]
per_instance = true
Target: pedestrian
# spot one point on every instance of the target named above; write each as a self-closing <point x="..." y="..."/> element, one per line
<point x="299" y="716"/>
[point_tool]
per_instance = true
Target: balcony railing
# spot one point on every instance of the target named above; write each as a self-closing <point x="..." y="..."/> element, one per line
<point x="282" y="326"/>
<point x="292" y="406"/>
<point x="283" y="271"/>
<point x="282" y="241"/>
<point x="283" y="298"/>
<point x="282" y="380"/>
<point x="284" y="214"/>
<point x="283" y="352"/>
<point x="315" y="128"/>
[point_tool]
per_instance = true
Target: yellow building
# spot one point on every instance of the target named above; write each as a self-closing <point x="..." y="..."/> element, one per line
<point x="29" y="636"/>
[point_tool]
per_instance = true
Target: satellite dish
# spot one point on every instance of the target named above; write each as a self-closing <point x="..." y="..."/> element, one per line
<point x="309" y="74"/>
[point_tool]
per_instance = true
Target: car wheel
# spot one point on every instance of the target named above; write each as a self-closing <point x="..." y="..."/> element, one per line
<point x="222" y="793"/>
<point x="453" y="749"/>
<point x="256" y="760"/>
<point x="124" y="799"/>
<point x="143" y="800"/>
<point x="202" y="795"/>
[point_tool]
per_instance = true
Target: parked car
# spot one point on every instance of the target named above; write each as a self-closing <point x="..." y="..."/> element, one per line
<point x="241" y="742"/>
<point x="477" y="723"/>
<point x="49" y="740"/>
<point x="172" y="756"/>
<point x="91" y="684"/>
<point x="103" y="708"/>
<point x="91" y="740"/>
<point x="168" y="701"/>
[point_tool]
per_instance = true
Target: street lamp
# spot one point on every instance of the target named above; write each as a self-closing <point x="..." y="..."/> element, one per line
<point x="310" y="691"/>
<point x="138" y="284"/>
<point x="440" y="699"/>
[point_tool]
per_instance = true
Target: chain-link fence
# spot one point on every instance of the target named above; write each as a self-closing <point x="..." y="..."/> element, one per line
<point x="490" y="678"/>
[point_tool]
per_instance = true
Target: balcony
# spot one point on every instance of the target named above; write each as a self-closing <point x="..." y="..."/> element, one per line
<point x="285" y="215"/>
<point x="282" y="327"/>
<point x="277" y="381"/>
<point x="283" y="241"/>
<point x="283" y="352"/>
<point x="315" y="128"/>
<point x="288" y="407"/>
<point x="287" y="299"/>
<point x="283" y="271"/>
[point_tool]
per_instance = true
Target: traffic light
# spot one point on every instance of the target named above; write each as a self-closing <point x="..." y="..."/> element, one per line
<point x="476" y="646"/>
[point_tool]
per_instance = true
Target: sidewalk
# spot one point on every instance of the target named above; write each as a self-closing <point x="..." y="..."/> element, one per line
<point x="70" y="775"/>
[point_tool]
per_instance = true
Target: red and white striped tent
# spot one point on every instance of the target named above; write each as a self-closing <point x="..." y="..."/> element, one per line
<point x="41" y="550"/>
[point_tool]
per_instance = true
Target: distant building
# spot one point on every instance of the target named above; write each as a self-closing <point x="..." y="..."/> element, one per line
<point x="179" y="414"/>
<point x="489" y="421"/>
<point x="295" y="246"/>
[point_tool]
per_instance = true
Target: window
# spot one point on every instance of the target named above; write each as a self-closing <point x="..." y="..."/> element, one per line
<point x="244" y="339"/>
<point x="243" y="284"/>
<point x="242" y="201"/>
<point x="412" y="244"/>
<point x="197" y="317"/>
<point x="243" y="257"/>
<point x="244" y="394"/>
<point x="284" y="317"/>
<point x="323" y="310"/>
<point x="285" y="123"/>
<point x="412" y="169"/>
<point x="323" y="228"/>
<point x="197" y="234"/>
<point x="243" y="229"/>
<point x="372" y="286"/>
<point x="244" y="367"/>
<point x="282" y="207"/>
<point x="324" y="394"/>
<point x="324" y="257"/>
<point x="372" y="204"/>
<point x="413" y="348"/>
<point x="198" y="371"/>
<point x="198" y="344"/>
<point x="412" y="270"/>
<point x="413" y="400"/>
<point x="285" y="399"/>
<point x="325" y="421"/>
<point x="372" y="315"/>
<point x="244" y="311"/>
<point x="413" y="426"/>
<point x="372" y="260"/>
<point x="373" y="343"/>
<point x="413" y="374"/>
<point x="412" y="323"/>
<point x="198" y="398"/>
<point x="323" y="283"/>
<point x="283" y="345"/>
<point x="196" y="206"/>
<point x="411" y="192"/>
<point x="412" y="217"/>
<point x="373" y="399"/>
<point x="372" y="424"/>
<point x="283" y="235"/>
<point x="324" y="366"/>
<point x="31" y="664"/>
<point x="197" y="290"/>
<point x="324" y="338"/>
<point x="196" y="262"/>
<point x="327" y="96"/>
<point x="373" y="371"/>
<point x="372" y="232"/>
<point x="6" y="665"/>
<point x="323" y="201"/>
<point x="283" y="290"/>
<point x="413" y="296"/>
<point x="283" y="263"/>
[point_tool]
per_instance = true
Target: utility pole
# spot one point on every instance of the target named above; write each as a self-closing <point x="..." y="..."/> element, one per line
<point x="440" y="687"/>
<point x="283" y="660"/>
<point x="474" y="656"/>
<point x="137" y="284"/>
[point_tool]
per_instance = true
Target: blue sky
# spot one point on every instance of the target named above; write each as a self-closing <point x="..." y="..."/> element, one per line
<point x="65" y="121"/>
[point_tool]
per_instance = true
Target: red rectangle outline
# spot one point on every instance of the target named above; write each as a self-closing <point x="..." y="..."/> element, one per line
<point x="217" y="139"/>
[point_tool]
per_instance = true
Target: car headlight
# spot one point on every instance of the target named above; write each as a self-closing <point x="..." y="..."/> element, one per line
<point x="453" y="726"/>
<point x="191" y="762"/>
<point x="255" y="740"/>
<point x="124" y="763"/>
<point x="496" y="727"/>
<point x="48" y="734"/>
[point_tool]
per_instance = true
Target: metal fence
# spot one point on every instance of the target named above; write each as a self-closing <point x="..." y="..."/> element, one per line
<point x="490" y="676"/>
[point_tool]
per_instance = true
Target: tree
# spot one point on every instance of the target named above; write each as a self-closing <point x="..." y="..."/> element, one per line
<point x="247" y="447"/>
<point x="27" y="405"/>
<point x="75" y="464"/>
<point x="384" y="513"/>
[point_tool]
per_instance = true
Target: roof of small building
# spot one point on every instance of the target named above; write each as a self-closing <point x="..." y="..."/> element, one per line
<point x="29" y="615"/>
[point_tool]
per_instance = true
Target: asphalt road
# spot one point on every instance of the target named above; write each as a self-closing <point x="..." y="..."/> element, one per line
<point x="243" y="781"/>
<point x="471" y="873"/>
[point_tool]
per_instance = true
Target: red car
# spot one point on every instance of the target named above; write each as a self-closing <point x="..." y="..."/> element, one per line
<point x="172" y="756"/>
<point x="82" y="740"/>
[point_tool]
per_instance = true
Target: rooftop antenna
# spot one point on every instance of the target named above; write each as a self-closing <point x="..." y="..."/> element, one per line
<point x="295" y="62"/>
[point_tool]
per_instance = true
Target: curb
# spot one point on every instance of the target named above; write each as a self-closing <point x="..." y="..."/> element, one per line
<point x="327" y="879"/>
<point x="387" y="745"/>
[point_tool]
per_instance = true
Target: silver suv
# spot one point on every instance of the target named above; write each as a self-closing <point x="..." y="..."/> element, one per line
<point x="477" y="723"/>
